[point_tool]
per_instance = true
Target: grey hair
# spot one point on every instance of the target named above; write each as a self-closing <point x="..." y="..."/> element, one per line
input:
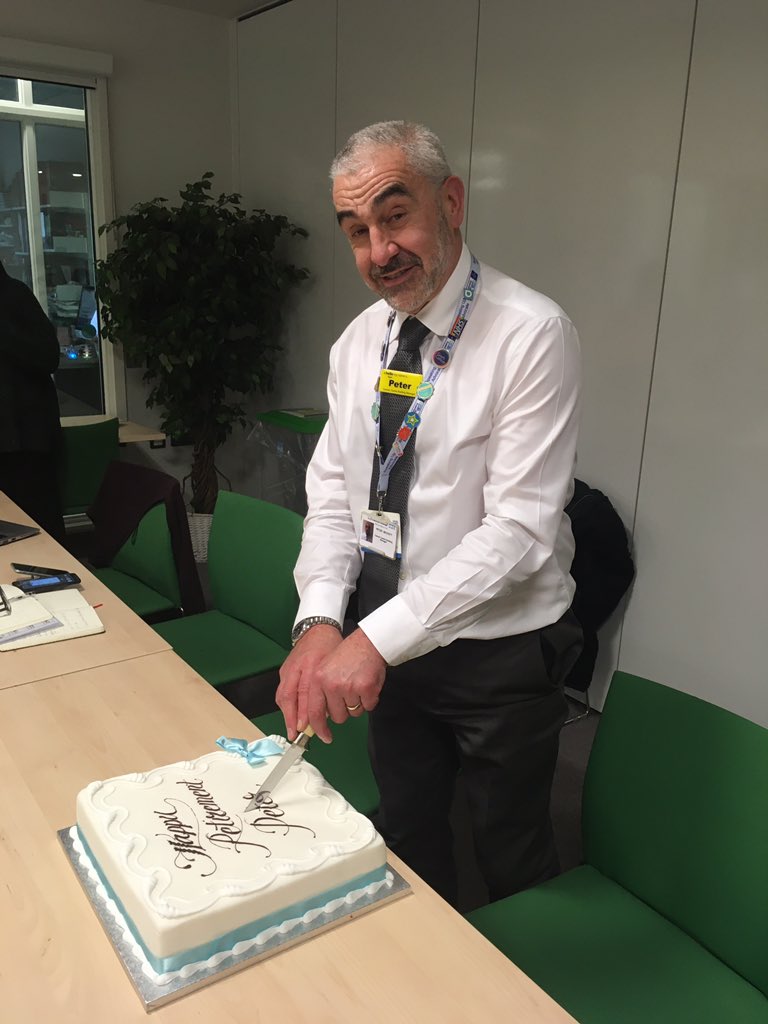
<point x="422" y="148"/>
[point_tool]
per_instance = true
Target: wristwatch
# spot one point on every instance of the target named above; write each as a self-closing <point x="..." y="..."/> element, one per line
<point x="303" y="625"/>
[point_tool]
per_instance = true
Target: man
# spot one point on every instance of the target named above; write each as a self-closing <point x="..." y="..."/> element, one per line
<point x="464" y="640"/>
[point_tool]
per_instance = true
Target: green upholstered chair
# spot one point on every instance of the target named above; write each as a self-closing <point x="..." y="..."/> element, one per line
<point x="667" y="921"/>
<point x="252" y="550"/>
<point x="344" y="763"/>
<point x="87" y="451"/>
<point x="143" y="572"/>
<point x="140" y="545"/>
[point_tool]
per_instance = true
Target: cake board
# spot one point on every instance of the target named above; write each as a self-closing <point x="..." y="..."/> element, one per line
<point x="153" y="995"/>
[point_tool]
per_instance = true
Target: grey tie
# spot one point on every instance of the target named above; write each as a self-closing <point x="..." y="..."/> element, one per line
<point x="379" y="576"/>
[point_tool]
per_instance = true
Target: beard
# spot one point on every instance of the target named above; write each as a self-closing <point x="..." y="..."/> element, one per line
<point x="412" y="295"/>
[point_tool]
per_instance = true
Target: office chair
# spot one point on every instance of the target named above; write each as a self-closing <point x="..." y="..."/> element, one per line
<point x="247" y="633"/>
<point x="667" y="920"/>
<point x="140" y="547"/>
<point x="87" y="450"/>
<point x="143" y="574"/>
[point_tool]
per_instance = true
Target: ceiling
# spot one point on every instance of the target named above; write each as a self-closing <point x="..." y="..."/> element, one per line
<point x="222" y="8"/>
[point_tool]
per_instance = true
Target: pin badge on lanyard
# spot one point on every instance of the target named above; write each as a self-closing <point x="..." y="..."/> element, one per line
<point x="426" y="388"/>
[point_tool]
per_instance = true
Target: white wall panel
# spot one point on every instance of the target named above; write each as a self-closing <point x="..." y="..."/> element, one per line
<point x="410" y="60"/>
<point x="286" y="74"/>
<point x="577" y="126"/>
<point x="287" y="98"/>
<point x="698" y="616"/>
<point x="576" y="134"/>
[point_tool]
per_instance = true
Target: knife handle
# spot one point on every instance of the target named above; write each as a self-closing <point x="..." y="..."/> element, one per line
<point x="302" y="740"/>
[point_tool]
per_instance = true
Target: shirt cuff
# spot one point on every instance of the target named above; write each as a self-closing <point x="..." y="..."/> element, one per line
<point x="321" y="598"/>
<point x="396" y="633"/>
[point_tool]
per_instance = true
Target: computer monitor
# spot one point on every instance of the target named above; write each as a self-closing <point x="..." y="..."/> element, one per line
<point x="86" y="325"/>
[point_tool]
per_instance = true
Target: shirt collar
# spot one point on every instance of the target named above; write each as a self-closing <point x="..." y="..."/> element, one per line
<point x="438" y="313"/>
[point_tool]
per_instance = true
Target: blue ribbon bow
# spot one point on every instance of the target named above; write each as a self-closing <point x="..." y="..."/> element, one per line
<point x="256" y="752"/>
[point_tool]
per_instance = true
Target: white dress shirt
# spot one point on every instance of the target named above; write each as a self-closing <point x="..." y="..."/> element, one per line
<point x="488" y="549"/>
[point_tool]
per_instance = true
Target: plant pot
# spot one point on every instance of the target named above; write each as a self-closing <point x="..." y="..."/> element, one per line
<point x="200" y="531"/>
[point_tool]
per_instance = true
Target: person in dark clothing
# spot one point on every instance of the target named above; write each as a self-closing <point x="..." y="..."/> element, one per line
<point x="30" y="429"/>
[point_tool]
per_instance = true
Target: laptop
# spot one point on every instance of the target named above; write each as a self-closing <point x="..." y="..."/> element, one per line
<point x="15" y="531"/>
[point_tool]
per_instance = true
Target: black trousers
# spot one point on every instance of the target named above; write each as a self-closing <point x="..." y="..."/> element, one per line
<point x="492" y="710"/>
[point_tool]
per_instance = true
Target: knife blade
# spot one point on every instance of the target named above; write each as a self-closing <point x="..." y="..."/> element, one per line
<point x="294" y="752"/>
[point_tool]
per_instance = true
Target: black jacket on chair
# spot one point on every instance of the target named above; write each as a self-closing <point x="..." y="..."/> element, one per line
<point x="127" y="492"/>
<point x="602" y="568"/>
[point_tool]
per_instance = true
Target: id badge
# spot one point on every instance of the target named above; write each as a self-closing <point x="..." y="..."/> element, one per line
<point x="380" y="533"/>
<point x="398" y="382"/>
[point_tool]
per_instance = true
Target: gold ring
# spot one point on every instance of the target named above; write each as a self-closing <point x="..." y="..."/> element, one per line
<point x="358" y="705"/>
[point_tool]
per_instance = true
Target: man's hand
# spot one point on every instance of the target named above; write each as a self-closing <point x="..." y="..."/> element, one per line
<point x="350" y="677"/>
<point x="315" y="687"/>
<point x="297" y="671"/>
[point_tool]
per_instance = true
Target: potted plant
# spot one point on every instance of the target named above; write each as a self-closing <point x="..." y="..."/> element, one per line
<point x="196" y="293"/>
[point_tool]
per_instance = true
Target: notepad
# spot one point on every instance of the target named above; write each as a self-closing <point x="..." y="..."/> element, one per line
<point x="68" y="613"/>
<point x="26" y="618"/>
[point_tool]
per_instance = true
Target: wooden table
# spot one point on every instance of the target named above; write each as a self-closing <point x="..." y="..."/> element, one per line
<point x="126" y="636"/>
<point x="414" y="961"/>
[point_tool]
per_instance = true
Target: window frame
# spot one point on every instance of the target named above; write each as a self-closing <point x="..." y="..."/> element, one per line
<point x="61" y="61"/>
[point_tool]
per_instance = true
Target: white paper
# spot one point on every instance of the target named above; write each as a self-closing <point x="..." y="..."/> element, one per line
<point x="25" y="611"/>
<point x="71" y="609"/>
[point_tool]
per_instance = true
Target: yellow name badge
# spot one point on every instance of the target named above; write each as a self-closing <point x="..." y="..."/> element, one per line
<point x="397" y="382"/>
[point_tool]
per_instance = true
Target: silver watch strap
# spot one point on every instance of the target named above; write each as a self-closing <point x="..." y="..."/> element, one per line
<point x="303" y="625"/>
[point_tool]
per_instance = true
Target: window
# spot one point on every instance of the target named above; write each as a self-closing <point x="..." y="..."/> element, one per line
<point x="47" y="226"/>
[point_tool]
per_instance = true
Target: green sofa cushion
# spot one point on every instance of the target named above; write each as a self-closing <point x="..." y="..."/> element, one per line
<point x="344" y="763"/>
<point x="608" y="958"/>
<point x="221" y="649"/>
<point x="137" y="595"/>
<point x="147" y="555"/>
<point x="86" y="451"/>
<point x="675" y="812"/>
<point x="251" y="554"/>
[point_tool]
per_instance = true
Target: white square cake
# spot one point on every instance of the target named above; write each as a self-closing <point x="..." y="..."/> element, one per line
<point x="197" y="878"/>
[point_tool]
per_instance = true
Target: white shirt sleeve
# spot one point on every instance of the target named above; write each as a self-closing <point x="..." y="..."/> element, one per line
<point x="330" y="560"/>
<point x="529" y="470"/>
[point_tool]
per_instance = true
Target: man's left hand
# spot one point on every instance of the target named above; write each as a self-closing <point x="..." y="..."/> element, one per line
<point x="347" y="682"/>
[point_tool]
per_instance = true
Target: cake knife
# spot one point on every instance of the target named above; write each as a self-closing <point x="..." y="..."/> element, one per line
<point x="294" y="752"/>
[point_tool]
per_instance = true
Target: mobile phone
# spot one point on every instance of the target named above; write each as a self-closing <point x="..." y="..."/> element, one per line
<point x="35" y="570"/>
<point x="41" y="584"/>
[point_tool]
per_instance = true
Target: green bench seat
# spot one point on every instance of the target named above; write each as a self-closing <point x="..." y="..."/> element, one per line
<point x="220" y="648"/>
<point x="141" y="598"/>
<point x="608" y="958"/>
<point x="667" y="922"/>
